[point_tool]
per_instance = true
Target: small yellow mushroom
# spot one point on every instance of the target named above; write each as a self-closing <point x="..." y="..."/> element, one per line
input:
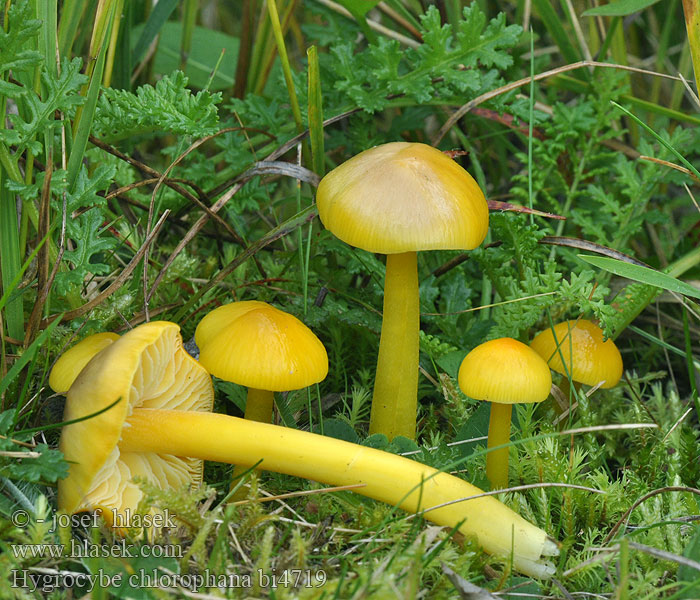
<point x="263" y="348"/>
<point x="504" y="372"/>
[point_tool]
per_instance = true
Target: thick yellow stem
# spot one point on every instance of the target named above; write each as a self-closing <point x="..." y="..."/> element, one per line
<point x="395" y="399"/>
<point x="499" y="434"/>
<point x="387" y="477"/>
<point x="258" y="406"/>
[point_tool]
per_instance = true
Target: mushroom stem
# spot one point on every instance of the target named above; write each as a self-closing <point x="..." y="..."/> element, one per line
<point x="395" y="397"/>
<point x="393" y="479"/>
<point x="258" y="406"/>
<point x="499" y="435"/>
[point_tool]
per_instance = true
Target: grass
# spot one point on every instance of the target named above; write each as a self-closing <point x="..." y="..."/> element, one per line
<point x="128" y="194"/>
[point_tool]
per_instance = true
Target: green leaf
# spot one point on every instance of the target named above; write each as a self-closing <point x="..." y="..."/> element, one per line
<point x="60" y="94"/>
<point x="207" y="45"/>
<point x="641" y="274"/>
<point x="168" y="108"/>
<point x="156" y="21"/>
<point x="621" y="8"/>
<point x="338" y="429"/>
<point x="448" y="63"/>
<point x="48" y="466"/>
<point x="687" y="573"/>
<point x="360" y="7"/>
<point x="16" y="51"/>
<point x="85" y="232"/>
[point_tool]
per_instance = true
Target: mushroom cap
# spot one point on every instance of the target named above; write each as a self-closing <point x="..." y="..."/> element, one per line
<point x="145" y="368"/>
<point x="73" y="360"/>
<point x="259" y="346"/>
<point x="403" y="197"/>
<point x="505" y="371"/>
<point x="594" y="360"/>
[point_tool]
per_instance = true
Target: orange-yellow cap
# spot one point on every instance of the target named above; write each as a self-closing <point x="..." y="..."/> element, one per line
<point x="73" y="360"/>
<point x="145" y="368"/>
<point x="403" y="197"/>
<point x="259" y="346"/>
<point x="594" y="360"/>
<point x="505" y="371"/>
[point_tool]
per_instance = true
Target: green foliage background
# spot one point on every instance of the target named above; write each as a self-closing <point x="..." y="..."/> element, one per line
<point x="117" y="115"/>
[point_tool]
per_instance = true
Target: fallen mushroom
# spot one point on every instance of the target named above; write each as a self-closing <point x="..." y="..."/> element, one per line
<point x="161" y="415"/>
<point x="397" y="199"/>
<point x="263" y="348"/>
<point x="504" y="372"/>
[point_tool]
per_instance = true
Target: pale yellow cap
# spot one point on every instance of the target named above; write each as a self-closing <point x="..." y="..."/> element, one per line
<point x="257" y="345"/>
<point x="505" y="371"/>
<point x="73" y="360"/>
<point x="594" y="360"/>
<point x="403" y="197"/>
<point x="145" y="368"/>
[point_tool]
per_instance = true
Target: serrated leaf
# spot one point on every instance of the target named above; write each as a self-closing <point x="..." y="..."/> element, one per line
<point x="61" y="94"/>
<point x="16" y="53"/>
<point x="169" y="107"/>
<point x="85" y="232"/>
<point x="49" y="466"/>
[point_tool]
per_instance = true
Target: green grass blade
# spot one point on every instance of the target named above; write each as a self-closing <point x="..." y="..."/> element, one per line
<point x="27" y="356"/>
<point x="641" y="274"/>
<point x="87" y="115"/>
<point x="661" y="141"/>
<point x="553" y="23"/>
<point x="284" y="59"/>
<point x="621" y="8"/>
<point x="189" y="18"/>
<point x="161" y="13"/>
<point x="9" y="289"/>
<point x="689" y="359"/>
<point x="315" y="112"/>
<point x="10" y="260"/>
<point x="662" y="344"/>
<point x="71" y="15"/>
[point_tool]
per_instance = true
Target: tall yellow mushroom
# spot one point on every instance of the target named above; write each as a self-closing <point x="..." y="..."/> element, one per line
<point x="398" y="199"/>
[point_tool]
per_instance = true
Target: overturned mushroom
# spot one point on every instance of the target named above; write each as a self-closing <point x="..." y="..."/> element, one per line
<point x="161" y="398"/>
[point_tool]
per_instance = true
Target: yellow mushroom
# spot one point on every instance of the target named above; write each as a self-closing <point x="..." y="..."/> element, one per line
<point x="504" y="372"/>
<point x="160" y="400"/>
<point x="71" y="362"/>
<point x="263" y="348"/>
<point x="577" y="348"/>
<point x="397" y="199"/>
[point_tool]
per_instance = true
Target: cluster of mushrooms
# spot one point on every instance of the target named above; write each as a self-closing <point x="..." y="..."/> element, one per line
<point x="140" y="406"/>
